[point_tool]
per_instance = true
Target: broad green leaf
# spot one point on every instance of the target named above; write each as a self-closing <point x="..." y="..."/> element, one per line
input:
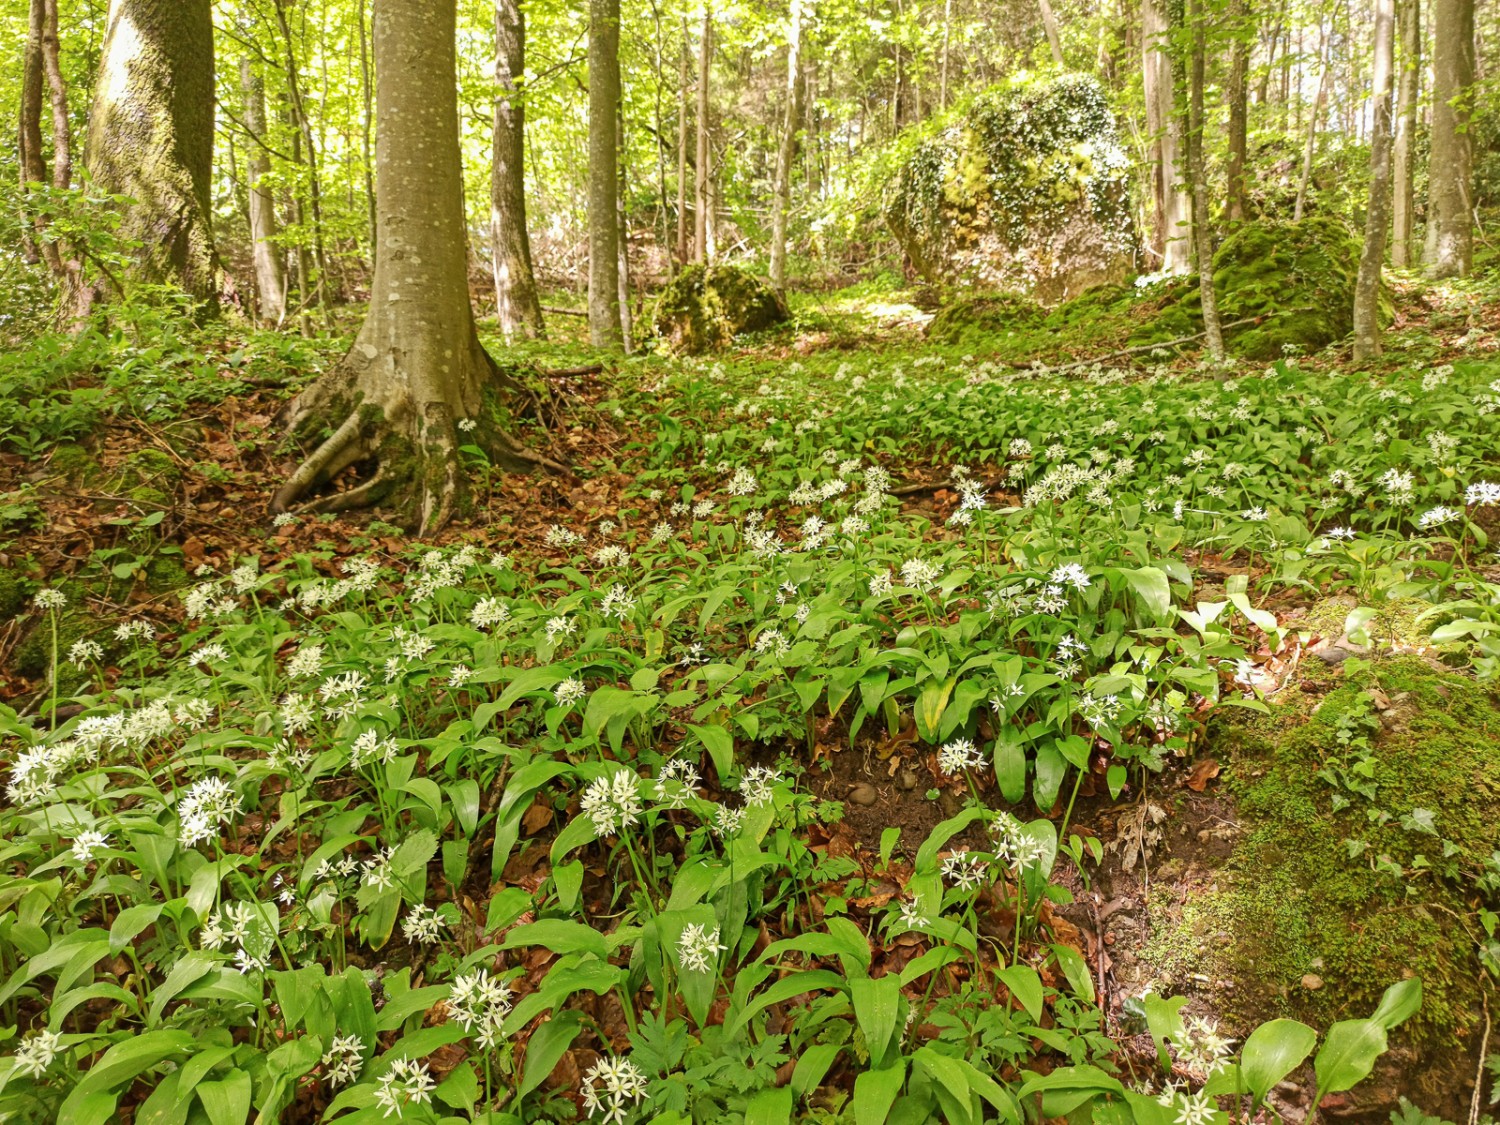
<point x="1272" y="1051"/>
<point x="1348" y="1054"/>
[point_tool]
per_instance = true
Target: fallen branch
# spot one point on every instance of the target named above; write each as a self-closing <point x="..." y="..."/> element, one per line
<point x="569" y="372"/>
<point x="564" y="312"/>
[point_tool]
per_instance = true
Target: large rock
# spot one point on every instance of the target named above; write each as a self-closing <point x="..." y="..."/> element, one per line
<point x="1024" y="189"/>
<point x="706" y="307"/>
<point x="1295" y="278"/>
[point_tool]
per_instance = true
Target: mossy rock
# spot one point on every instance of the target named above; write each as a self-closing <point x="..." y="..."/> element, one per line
<point x="72" y="461"/>
<point x="984" y="316"/>
<point x="1345" y="886"/>
<point x="1023" y="188"/>
<point x="706" y="307"/>
<point x="1297" y="276"/>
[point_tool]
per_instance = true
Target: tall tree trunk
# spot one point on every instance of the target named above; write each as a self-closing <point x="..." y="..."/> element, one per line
<point x="1378" y="214"/>
<point x="947" y="37"/>
<point x="1237" y="94"/>
<point x="57" y="91"/>
<point x="1202" y="235"/>
<point x="1404" y="252"/>
<point x="684" y="82"/>
<point x="270" y="279"/>
<point x="814" y="144"/>
<point x="1173" y="236"/>
<point x="604" y="182"/>
<point x="151" y="138"/>
<point x="622" y="237"/>
<point x="1450" y="177"/>
<point x="417" y="369"/>
<point x="314" y="181"/>
<point x="1310" y="147"/>
<point x="516" y="302"/>
<point x="33" y="160"/>
<point x="366" y="119"/>
<point x="700" y="188"/>
<point x="787" y="152"/>
<point x="1049" y="25"/>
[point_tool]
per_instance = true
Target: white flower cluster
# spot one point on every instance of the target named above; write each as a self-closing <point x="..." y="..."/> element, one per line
<point x="611" y="1087"/>
<point x="480" y="1003"/>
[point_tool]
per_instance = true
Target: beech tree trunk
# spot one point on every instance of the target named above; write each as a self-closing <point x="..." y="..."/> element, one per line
<point x="1450" y="197"/>
<point x="270" y="276"/>
<point x="1378" y="214"/>
<point x="1198" y="179"/>
<point x="604" y="184"/>
<point x="787" y="153"/>
<point x="417" y="369"/>
<point x="516" y="302"/>
<point x="684" y="82"/>
<point x="1237" y="94"/>
<point x="39" y="61"/>
<point x="1173" y="235"/>
<point x="151" y="137"/>
<point x="1409" y="18"/>
<point x="1054" y="39"/>
<point x="700" y="191"/>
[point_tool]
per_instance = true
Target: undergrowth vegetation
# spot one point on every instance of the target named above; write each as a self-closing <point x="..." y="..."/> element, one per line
<point x="531" y="830"/>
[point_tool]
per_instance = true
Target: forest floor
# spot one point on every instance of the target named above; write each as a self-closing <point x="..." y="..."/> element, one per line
<point x="1224" y="878"/>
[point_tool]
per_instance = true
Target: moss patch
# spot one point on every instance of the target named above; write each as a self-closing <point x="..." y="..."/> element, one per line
<point x="1299" y="276"/>
<point x="706" y="307"/>
<point x="1335" y="875"/>
<point x="979" y="317"/>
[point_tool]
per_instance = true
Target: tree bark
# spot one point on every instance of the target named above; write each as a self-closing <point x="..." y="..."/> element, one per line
<point x="1173" y="235"/>
<point x="622" y="235"/>
<point x="700" y="188"/>
<point x="1054" y="39"/>
<point x="604" y="184"/>
<point x="1409" y="18"/>
<point x="1450" y="218"/>
<point x="787" y="152"/>
<point x="684" y="82"/>
<point x="314" y="180"/>
<point x="517" y="304"/>
<point x="1378" y="214"/>
<point x="270" y="278"/>
<point x="32" y="158"/>
<point x="1202" y="236"/>
<point x="151" y="138"/>
<point x="1237" y="94"/>
<point x="417" y="369"/>
<point x="366" y="119"/>
<point x="1311" y="145"/>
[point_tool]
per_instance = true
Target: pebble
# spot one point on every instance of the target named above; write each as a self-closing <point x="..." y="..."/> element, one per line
<point x="863" y="794"/>
<point x="1312" y="982"/>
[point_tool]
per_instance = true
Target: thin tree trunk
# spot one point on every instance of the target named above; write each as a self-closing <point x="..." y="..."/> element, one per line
<point x="417" y="369"/>
<point x="604" y="181"/>
<point x="661" y="145"/>
<point x="270" y="282"/>
<point x="32" y="159"/>
<point x="1404" y="251"/>
<point x="1237" y="94"/>
<point x="787" y="152"/>
<point x="947" y="37"/>
<point x="1450" y="197"/>
<point x="700" y="190"/>
<point x="62" y="131"/>
<point x="622" y="241"/>
<point x="151" y="139"/>
<point x="1202" y="235"/>
<point x="365" y="120"/>
<point x="814" y="144"/>
<point x="1173" y="235"/>
<point x="1310" y="147"/>
<point x="1378" y="214"/>
<point x="314" y="181"/>
<point x="684" y="81"/>
<point x="517" y="305"/>
<point x="1054" y="40"/>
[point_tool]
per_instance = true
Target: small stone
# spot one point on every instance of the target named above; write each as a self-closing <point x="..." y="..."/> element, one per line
<point x="1312" y="982"/>
<point x="907" y="779"/>
<point x="863" y="794"/>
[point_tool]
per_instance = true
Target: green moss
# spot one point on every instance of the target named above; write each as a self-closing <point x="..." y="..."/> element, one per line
<point x="1347" y="893"/>
<point x="1298" y="276"/>
<point x="72" y="461"/>
<point x="706" y="307"/>
<point x="13" y="593"/>
<point x="973" y="317"/>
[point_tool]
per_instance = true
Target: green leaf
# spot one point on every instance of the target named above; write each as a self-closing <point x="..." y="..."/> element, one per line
<point x="1272" y="1051"/>
<point x="1152" y="587"/>
<point x="227" y="1101"/>
<point x="1010" y="767"/>
<point x="875" y="1091"/>
<point x="876" y="1004"/>
<point x="1400" y="1002"/>
<point x="546" y="1045"/>
<point x="130" y="923"/>
<point x="560" y="935"/>
<point x="1076" y="969"/>
<point x="771" y="1106"/>
<point x="1025" y="984"/>
<point x="1164" y="1021"/>
<point x="1348" y="1054"/>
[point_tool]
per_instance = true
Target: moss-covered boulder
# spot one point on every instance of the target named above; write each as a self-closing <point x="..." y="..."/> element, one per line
<point x="1296" y="278"/>
<point x="980" y="318"/>
<point x="706" y="307"/>
<point x="1368" y="845"/>
<point x="1022" y="189"/>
